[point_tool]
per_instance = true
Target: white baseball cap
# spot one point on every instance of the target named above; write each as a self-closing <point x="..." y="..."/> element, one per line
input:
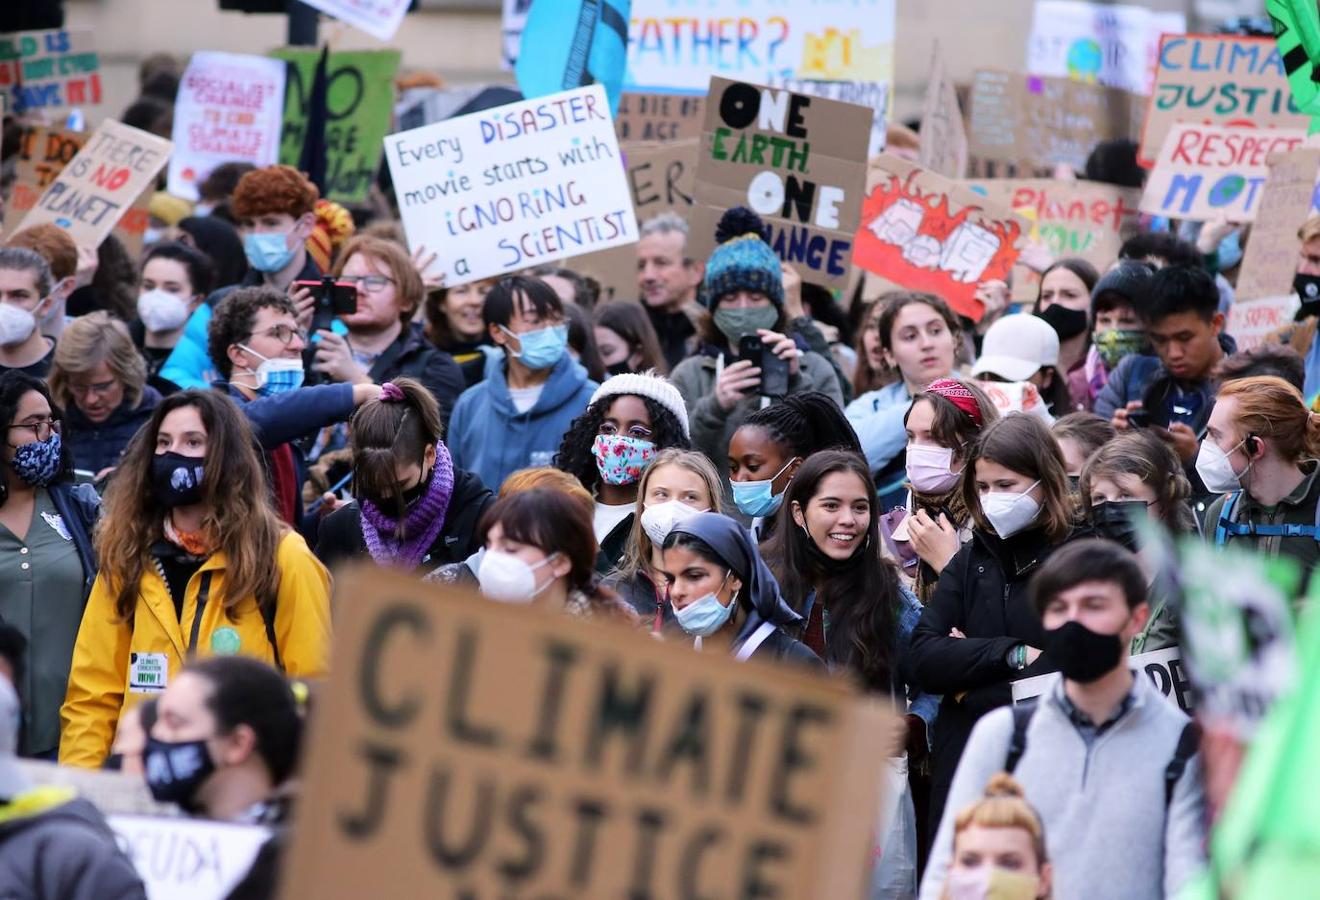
<point x="1016" y="347"/>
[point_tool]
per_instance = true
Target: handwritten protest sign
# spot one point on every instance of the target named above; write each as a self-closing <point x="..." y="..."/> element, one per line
<point x="1036" y="122"/>
<point x="797" y="160"/>
<point x="871" y="94"/>
<point x="43" y="153"/>
<point x="229" y="107"/>
<point x="1206" y="170"/>
<point x="187" y="859"/>
<point x="943" y="132"/>
<point x="514" y="186"/>
<point x="928" y="233"/>
<point x="1217" y="79"/>
<point x="1254" y="322"/>
<point x="676" y="47"/>
<point x="1164" y="668"/>
<point x="1114" y="45"/>
<point x="49" y="70"/>
<point x="378" y="18"/>
<point x="462" y="743"/>
<point x="1271" y="255"/>
<point x="359" y="103"/>
<point x="659" y="117"/>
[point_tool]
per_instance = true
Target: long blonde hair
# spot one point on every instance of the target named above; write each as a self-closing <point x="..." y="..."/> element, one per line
<point x="636" y="558"/>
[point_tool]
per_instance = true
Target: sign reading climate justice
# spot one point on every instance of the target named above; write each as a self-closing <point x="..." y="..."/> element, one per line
<point x="514" y="186"/>
<point x="471" y="749"/>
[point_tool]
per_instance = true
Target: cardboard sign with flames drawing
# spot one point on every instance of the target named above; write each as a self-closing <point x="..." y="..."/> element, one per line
<point x="924" y="232"/>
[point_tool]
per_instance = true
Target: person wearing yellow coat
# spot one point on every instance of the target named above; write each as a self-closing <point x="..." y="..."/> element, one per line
<point x="194" y="563"/>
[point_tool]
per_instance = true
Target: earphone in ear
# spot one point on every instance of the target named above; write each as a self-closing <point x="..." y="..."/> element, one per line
<point x="1252" y="443"/>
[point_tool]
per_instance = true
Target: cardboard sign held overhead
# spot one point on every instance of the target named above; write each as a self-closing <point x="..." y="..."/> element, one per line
<point x="49" y="70"/>
<point x="1271" y="255"/>
<point x="928" y="233"/>
<point x="1111" y="44"/>
<point x="100" y="184"/>
<point x="515" y="186"/>
<point x="1204" y="171"/>
<point x="943" y="132"/>
<point x="871" y="94"/>
<point x="462" y="746"/>
<point x="798" y="161"/>
<point x="659" y="117"/>
<point x="1217" y="79"/>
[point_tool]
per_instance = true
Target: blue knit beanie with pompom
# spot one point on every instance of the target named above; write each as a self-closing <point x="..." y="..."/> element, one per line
<point x="743" y="261"/>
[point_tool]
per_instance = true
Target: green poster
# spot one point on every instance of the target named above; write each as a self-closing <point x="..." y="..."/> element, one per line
<point x="360" y="106"/>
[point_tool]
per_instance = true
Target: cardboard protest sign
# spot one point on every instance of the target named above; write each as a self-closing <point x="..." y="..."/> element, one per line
<point x="1217" y="79"/>
<point x="1271" y="255"/>
<point x="359" y="104"/>
<point x="1165" y="669"/>
<point x="1036" y="122"/>
<point x="872" y="94"/>
<point x="943" y="132"/>
<point x="659" y="117"/>
<point x="797" y="160"/>
<point x="43" y="153"/>
<point x="378" y="18"/>
<point x="462" y="746"/>
<point x="187" y="859"/>
<point x="229" y="108"/>
<point x="675" y="47"/>
<point x="109" y="791"/>
<point x="1111" y="44"/>
<point x="49" y="70"/>
<point x="1253" y="322"/>
<point x="928" y="233"/>
<point x="514" y="186"/>
<point x="1203" y="171"/>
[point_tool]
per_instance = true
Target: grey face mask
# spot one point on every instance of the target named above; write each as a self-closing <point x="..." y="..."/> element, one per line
<point x="735" y="324"/>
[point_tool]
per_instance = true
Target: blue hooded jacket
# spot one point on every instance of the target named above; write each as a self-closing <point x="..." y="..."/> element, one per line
<point x="489" y="437"/>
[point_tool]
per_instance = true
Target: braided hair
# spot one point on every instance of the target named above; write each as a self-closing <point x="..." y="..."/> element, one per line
<point x="805" y="423"/>
<point x="575" y="455"/>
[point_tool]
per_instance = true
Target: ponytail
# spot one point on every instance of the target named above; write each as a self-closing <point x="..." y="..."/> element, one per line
<point x="396" y="427"/>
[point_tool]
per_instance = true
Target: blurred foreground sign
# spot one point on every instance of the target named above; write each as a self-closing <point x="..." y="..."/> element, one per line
<point x="465" y="748"/>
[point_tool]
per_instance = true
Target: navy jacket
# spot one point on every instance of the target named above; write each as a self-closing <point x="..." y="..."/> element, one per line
<point x="80" y="507"/>
<point x="99" y="446"/>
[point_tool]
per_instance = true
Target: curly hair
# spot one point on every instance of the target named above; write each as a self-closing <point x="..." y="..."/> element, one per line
<point x="575" y="456"/>
<point x="234" y="319"/>
<point x="274" y="189"/>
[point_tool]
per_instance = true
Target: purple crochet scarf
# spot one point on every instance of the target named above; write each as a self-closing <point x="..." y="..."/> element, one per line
<point x="422" y="524"/>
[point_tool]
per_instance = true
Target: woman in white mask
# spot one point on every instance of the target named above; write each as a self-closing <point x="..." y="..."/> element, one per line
<point x="1260" y="450"/>
<point x="175" y="280"/>
<point x="540" y="549"/>
<point x="979" y="633"/>
<point x="932" y="526"/>
<point x="676" y="486"/>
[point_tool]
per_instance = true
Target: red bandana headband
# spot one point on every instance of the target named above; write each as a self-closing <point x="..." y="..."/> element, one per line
<point x="956" y="393"/>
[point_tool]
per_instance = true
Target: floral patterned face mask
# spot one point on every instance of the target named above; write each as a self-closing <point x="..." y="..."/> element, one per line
<point x="621" y="458"/>
<point x="1115" y="343"/>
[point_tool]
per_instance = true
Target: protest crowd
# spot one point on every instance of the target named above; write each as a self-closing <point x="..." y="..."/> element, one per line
<point x="426" y="510"/>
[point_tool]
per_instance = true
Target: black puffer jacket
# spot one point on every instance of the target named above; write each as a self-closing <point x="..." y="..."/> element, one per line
<point x="412" y="356"/>
<point x="99" y="445"/>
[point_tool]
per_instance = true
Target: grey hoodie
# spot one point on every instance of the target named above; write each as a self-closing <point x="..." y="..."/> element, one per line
<point x="1107" y="830"/>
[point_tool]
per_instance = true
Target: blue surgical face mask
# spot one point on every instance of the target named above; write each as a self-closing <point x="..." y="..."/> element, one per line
<point x="757" y="498"/>
<point x="706" y="616"/>
<point x="278" y="374"/>
<point x="268" y="252"/>
<point x="1230" y="250"/>
<point x="542" y="348"/>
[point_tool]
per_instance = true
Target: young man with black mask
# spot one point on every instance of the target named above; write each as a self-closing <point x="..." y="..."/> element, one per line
<point x="1108" y="762"/>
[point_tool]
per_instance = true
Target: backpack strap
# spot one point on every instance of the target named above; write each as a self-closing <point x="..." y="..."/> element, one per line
<point x="1017" y="744"/>
<point x="1222" y="528"/>
<point x="268" y="617"/>
<point x="1228" y="528"/>
<point x="1188" y="743"/>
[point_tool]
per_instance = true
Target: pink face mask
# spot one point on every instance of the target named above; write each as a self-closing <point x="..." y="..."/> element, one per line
<point x="930" y="469"/>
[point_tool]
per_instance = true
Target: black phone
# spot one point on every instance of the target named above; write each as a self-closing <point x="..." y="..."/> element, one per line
<point x="1138" y="418"/>
<point x="333" y="298"/>
<point x="751" y="349"/>
<point x="774" y="376"/>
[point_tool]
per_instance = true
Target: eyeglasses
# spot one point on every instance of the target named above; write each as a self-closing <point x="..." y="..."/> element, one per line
<point x="99" y="388"/>
<point x="636" y="431"/>
<point x="284" y="334"/>
<point x="41" y="428"/>
<point x="370" y="283"/>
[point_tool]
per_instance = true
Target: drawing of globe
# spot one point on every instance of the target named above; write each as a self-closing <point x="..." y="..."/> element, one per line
<point x="1084" y="59"/>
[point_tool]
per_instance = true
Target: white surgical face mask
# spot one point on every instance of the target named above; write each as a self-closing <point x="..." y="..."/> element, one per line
<point x="16" y="325"/>
<point x="504" y="577"/>
<point x="162" y="311"/>
<point x="658" y="519"/>
<point x="1216" y="469"/>
<point x="1010" y="513"/>
<point x="930" y="469"/>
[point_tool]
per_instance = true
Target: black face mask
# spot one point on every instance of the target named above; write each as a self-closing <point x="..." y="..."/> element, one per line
<point x="1081" y="654"/>
<point x="1308" y="289"/>
<point x="175" y="771"/>
<point x="1067" y="323"/>
<point x="176" y="480"/>
<point x="619" y="368"/>
<point x="1117" y="520"/>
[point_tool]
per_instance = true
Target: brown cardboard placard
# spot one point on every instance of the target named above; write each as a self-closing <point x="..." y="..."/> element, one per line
<point x="658" y="118"/>
<point x="42" y="155"/>
<point x="929" y="233"/>
<point x="1038" y="121"/>
<point x="1219" y="79"/>
<point x="462" y="743"/>
<point x="1270" y="257"/>
<point x="943" y="132"/>
<point x="101" y="183"/>
<point x="797" y="160"/>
